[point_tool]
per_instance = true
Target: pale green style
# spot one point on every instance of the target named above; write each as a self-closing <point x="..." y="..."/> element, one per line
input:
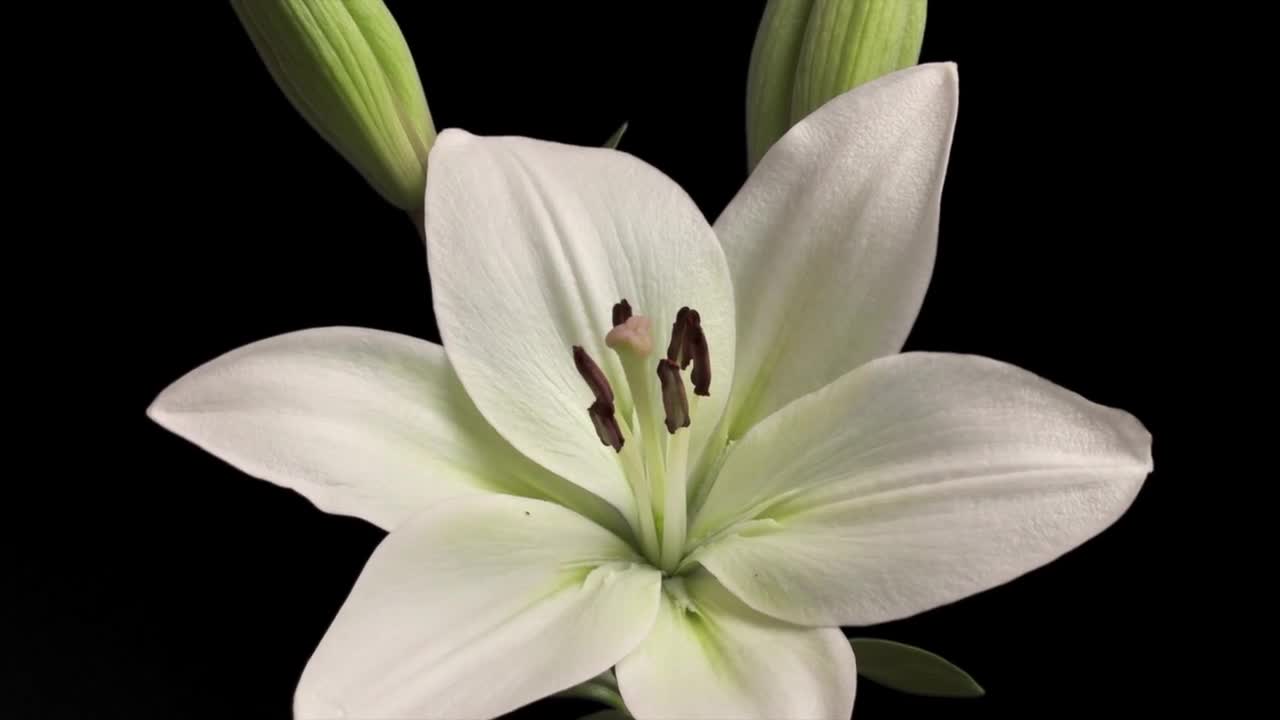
<point x="809" y="51"/>
<point x="690" y="570"/>
<point x="345" y="67"/>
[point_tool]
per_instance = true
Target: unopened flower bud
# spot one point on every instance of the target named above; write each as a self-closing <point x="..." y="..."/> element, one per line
<point x="345" y="66"/>
<point x="809" y="51"/>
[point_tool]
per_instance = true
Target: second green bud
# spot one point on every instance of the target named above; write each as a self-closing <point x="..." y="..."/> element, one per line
<point x="809" y="51"/>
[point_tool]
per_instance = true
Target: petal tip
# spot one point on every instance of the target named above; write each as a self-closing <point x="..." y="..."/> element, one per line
<point x="951" y="75"/>
<point x="448" y="140"/>
<point x="1140" y="439"/>
<point x="307" y="705"/>
<point x="949" y="69"/>
<point x="160" y="410"/>
<point x="453" y="136"/>
<point x="944" y="75"/>
<point x="1131" y="434"/>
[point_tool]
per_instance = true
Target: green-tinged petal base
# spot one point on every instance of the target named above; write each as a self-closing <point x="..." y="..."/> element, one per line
<point x="478" y="607"/>
<point x="710" y="657"/>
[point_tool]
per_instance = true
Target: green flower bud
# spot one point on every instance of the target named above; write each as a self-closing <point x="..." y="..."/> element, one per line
<point x="346" y="68"/>
<point x="809" y="51"/>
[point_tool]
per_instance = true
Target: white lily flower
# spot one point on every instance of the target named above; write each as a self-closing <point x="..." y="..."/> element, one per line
<point x="702" y="515"/>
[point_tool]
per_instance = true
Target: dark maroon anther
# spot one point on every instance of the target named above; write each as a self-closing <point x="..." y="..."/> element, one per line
<point x="621" y="312"/>
<point x="701" y="375"/>
<point x="606" y="425"/>
<point x="594" y="376"/>
<point x="674" y="401"/>
<point x="690" y="338"/>
<point x="679" y="331"/>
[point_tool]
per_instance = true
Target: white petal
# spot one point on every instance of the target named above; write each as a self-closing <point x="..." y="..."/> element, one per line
<point x="831" y="241"/>
<point x="530" y="244"/>
<point x="710" y="657"/>
<point x="914" y="481"/>
<point x="361" y="422"/>
<point x="476" y="607"/>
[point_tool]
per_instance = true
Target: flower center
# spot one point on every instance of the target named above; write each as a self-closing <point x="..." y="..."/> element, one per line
<point x="653" y="441"/>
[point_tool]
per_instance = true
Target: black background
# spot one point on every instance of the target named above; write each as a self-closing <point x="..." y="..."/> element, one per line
<point x="184" y="589"/>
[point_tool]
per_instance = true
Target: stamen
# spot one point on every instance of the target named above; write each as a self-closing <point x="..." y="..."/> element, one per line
<point x="621" y="311"/>
<point x="655" y="463"/>
<point x="674" y="402"/>
<point x="593" y="375"/>
<point x="690" y="337"/>
<point x="701" y="375"/>
<point x="606" y="425"/>
<point x="679" y="335"/>
<point x="634" y="334"/>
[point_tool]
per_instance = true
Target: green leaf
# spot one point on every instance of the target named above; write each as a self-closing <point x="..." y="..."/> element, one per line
<point x="616" y="137"/>
<point x="595" y="691"/>
<point x="607" y="715"/>
<point x="911" y="670"/>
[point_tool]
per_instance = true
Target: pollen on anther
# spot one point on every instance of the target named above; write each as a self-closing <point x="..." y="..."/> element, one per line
<point x="677" y="348"/>
<point x="674" y="402"/>
<point x="621" y="312"/>
<point x="701" y="375"/>
<point x="606" y="425"/>
<point x="592" y="375"/>
<point x="692" y="338"/>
